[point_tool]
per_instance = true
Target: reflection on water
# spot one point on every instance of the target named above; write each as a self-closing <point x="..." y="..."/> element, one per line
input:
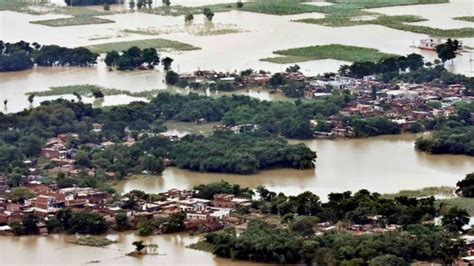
<point x="384" y="164"/>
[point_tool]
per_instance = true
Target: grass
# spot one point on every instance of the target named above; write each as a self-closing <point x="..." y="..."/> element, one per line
<point x="158" y="43"/>
<point x="345" y="13"/>
<point x="394" y="22"/>
<point x="194" y="29"/>
<point x="73" y="21"/>
<point x="466" y="18"/>
<point x="86" y="90"/>
<point x="460" y="202"/>
<point x="424" y="192"/>
<point x="202" y="246"/>
<point x="93" y="242"/>
<point x="331" y="51"/>
<point x="177" y="10"/>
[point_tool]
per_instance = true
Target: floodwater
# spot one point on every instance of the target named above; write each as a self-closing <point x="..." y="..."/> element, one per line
<point x="260" y="35"/>
<point x="384" y="164"/>
<point x="57" y="250"/>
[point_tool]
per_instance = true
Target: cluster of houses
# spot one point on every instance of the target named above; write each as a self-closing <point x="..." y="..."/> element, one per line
<point x="201" y="214"/>
<point x="402" y="103"/>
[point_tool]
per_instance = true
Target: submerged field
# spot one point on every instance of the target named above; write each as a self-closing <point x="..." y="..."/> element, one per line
<point x="73" y="21"/>
<point x="157" y="43"/>
<point x="87" y="89"/>
<point x="331" y="51"/>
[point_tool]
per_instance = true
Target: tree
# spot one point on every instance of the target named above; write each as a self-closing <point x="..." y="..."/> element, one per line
<point x="293" y="69"/>
<point x="208" y="13"/>
<point x="150" y="3"/>
<point x="240" y="4"/>
<point x="97" y="93"/>
<point x="171" y="77"/>
<point x="175" y="223"/>
<point x="145" y="227"/>
<point x="87" y="223"/>
<point x="5" y="103"/>
<point x="150" y="57"/>
<point x="31" y="99"/>
<point x="466" y="186"/>
<point x="152" y="164"/>
<point x="188" y="18"/>
<point x="106" y="7"/>
<point x="131" y="4"/>
<point x="29" y="222"/>
<point x="276" y="80"/>
<point x="111" y="58"/>
<point x="121" y="221"/>
<point x="167" y="3"/>
<point x="454" y="220"/>
<point x="447" y="51"/>
<point x="167" y="63"/>
<point x="139" y="246"/>
<point x="20" y="194"/>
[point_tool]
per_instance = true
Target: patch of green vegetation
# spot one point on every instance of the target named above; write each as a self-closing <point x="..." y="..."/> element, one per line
<point x="460" y="202"/>
<point x="466" y="18"/>
<point x="30" y="7"/>
<point x="202" y="246"/>
<point x="93" y="241"/>
<point x="424" y="192"/>
<point x="331" y="51"/>
<point x="394" y="22"/>
<point x="346" y="13"/>
<point x="178" y="10"/>
<point x="73" y="21"/>
<point x="385" y="3"/>
<point x="86" y="90"/>
<point x="158" y="43"/>
<point x="280" y="7"/>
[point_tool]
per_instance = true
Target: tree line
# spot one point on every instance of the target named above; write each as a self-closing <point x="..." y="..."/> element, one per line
<point x="22" y="55"/>
<point x="271" y="243"/>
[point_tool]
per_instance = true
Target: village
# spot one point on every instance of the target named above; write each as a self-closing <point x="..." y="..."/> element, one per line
<point x="402" y="103"/>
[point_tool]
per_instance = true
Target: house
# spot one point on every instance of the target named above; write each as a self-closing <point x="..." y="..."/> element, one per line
<point x="430" y="44"/>
<point x="229" y="201"/>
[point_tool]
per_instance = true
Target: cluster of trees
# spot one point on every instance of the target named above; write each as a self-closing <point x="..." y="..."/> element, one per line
<point x="23" y="55"/>
<point x="447" y="51"/>
<point x="414" y="241"/>
<point x="143" y="3"/>
<point x="262" y="242"/>
<point x="347" y="207"/>
<point x="91" y="2"/>
<point x="458" y="140"/>
<point x="466" y="186"/>
<point x="134" y="58"/>
<point x="452" y="136"/>
<point x="385" y="65"/>
<point x="207" y="191"/>
<point x="373" y="126"/>
<point x="243" y="153"/>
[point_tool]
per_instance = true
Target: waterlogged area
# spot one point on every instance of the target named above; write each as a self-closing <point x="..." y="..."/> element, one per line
<point x="385" y="164"/>
<point x="259" y="36"/>
<point x="57" y="250"/>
